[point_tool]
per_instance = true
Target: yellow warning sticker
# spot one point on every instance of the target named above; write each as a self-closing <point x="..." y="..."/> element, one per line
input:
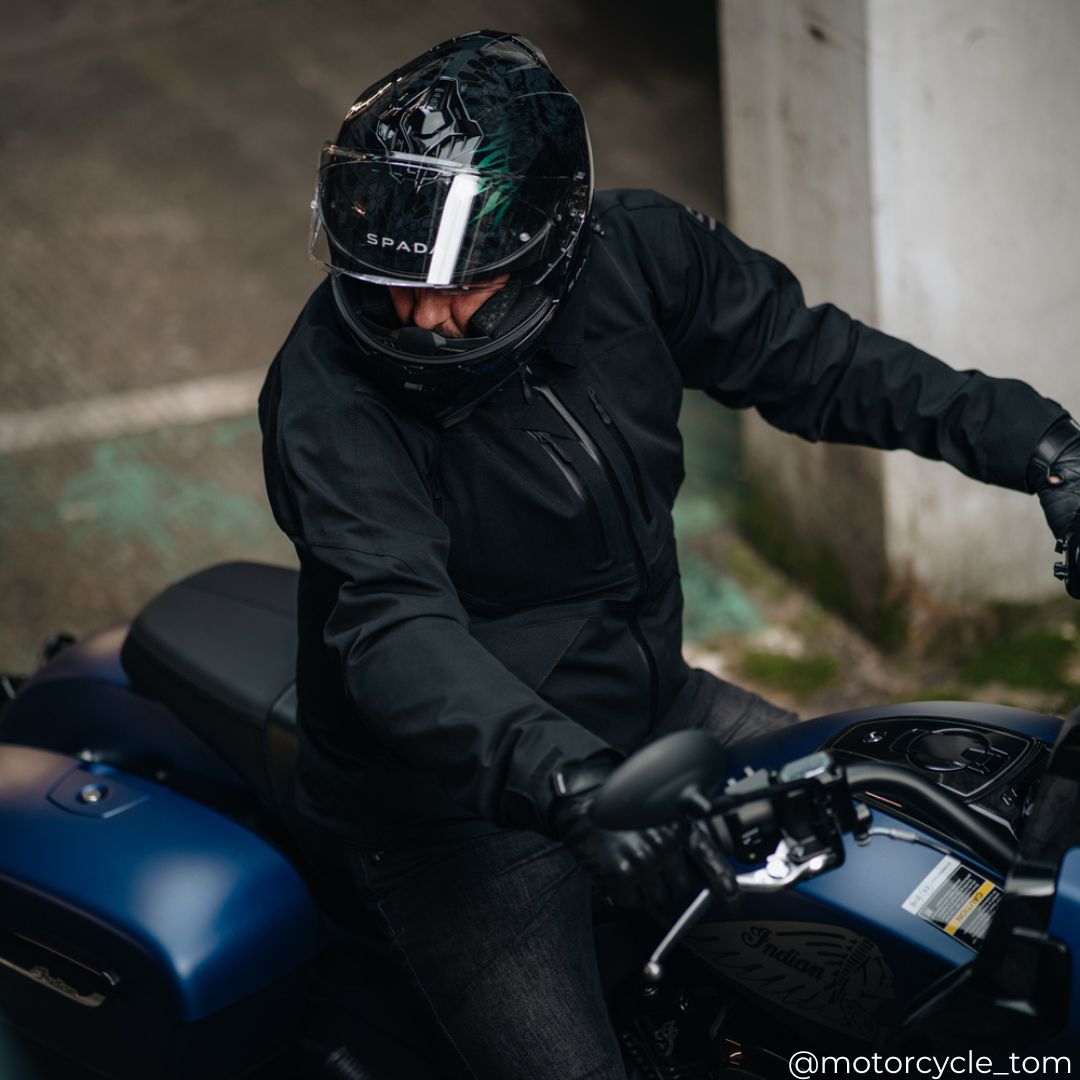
<point x="983" y="891"/>
<point x="957" y="900"/>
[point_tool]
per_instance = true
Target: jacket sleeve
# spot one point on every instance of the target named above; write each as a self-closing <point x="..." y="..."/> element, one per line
<point x="350" y="494"/>
<point x="739" y="329"/>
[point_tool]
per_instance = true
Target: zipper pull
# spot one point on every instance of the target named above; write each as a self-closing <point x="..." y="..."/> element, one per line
<point x="605" y="416"/>
<point x="561" y="451"/>
<point x="545" y="439"/>
<point x="526" y="389"/>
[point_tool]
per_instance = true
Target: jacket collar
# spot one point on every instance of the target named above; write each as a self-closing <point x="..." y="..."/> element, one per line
<point x="567" y="331"/>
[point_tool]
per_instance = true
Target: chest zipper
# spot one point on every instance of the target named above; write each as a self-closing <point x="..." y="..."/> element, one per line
<point x="563" y="462"/>
<point x="640" y="566"/>
<point x="627" y="453"/>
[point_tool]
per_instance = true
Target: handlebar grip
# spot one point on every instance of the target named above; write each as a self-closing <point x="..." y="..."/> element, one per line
<point x="707" y="853"/>
<point x="1069" y="570"/>
<point x="951" y="815"/>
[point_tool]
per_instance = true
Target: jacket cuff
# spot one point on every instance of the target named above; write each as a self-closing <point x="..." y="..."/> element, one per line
<point x="526" y="803"/>
<point x="1060" y="435"/>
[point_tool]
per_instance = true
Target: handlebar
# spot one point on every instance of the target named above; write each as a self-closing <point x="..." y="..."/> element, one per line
<point x="804" y="809"/>
<point x="1069" y="570"/>
<point x="954" y="817"/>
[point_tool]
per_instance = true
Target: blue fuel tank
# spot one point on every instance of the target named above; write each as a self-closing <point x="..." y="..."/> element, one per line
<point x="857" y="948"/>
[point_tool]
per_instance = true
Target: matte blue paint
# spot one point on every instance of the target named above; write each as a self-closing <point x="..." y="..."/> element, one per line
<point x="113" y="795"/>
<point x="224" y="912"/>
<point x="866" y="894"/>
<point x="1065" y="925"/>
<point x="83" y="699"/>
<point x="871" y="887"/>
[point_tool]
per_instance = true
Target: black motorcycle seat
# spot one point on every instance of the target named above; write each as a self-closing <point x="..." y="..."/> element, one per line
<point x="218" y="649"/>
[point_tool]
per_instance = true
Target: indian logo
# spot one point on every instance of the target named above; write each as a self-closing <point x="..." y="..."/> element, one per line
<point x="823" y="973"/>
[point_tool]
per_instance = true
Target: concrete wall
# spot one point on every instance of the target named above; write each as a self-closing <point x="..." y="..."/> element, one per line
<point x="798" y="186"/>
<point x="975" y="150"/>
<point x="919" y="165"/>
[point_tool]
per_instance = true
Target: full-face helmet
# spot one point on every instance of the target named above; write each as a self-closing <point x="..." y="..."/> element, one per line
<point x="467" y="164"/>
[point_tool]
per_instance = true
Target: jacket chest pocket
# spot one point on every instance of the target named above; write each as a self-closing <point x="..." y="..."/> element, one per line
<point x="532" y="520"/>
<point x="582" y="494"/>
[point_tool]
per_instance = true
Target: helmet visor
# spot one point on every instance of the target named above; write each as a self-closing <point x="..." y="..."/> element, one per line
<point x="420" y="222"/>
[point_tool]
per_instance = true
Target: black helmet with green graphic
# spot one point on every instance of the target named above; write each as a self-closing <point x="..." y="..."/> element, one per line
<point x="468" y="164"/>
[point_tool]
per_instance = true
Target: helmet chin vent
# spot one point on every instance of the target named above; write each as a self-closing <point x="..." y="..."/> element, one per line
<point x="419" y="342"/>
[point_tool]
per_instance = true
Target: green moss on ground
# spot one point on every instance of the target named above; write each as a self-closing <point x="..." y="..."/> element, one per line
<point x="940" y="693"/>
<point x="1033" y="661"/>
<point x="797" y="675"/>
<point x="885" y="620"/>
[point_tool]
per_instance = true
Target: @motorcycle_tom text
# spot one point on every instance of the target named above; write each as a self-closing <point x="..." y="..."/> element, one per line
<point x="805" y="1064"/>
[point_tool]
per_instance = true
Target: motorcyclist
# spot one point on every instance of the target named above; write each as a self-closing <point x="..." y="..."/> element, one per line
<point x="471" y="437"/>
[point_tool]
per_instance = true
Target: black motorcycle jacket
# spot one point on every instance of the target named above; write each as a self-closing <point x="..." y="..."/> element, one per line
<point x="482" y="603"/>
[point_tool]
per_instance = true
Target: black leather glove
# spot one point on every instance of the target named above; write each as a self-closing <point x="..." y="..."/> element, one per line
<point x="635" y="867"/>
<point x="1054" y="475"/>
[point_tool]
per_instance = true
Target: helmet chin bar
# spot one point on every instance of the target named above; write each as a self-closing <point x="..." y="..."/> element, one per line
<point x="441" y="380"/>
<point x="501" y="324"/>
<point x="416" y="341"/>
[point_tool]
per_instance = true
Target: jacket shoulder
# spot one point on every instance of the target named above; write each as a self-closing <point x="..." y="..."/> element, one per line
<point x="317" y="334"/>
<point x="648" y="222"/>
<point x="661" y="227"/>
<point x="316" y="394"/>
<point x="637" y="205"/>
<point x="317" y="366"/>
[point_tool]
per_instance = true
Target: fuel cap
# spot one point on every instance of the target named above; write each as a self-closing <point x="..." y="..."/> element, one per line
<point x="947" y="750"/>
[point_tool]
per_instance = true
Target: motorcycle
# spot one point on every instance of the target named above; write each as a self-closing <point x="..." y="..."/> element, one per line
<point x="903" y="879"/>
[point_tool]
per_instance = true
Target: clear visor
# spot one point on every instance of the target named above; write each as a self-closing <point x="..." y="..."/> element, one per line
<point x="404" y="220"/>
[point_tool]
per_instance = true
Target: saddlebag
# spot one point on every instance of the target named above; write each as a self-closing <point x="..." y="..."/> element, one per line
<point x="141" y="933"/>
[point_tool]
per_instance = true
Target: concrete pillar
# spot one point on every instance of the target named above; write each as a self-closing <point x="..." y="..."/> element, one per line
<point x="919" y="165"/>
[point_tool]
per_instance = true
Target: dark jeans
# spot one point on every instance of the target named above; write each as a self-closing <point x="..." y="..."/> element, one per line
<point x="497" y="930"/>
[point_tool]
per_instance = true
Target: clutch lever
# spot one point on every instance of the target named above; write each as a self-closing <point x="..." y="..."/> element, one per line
<point x="779" y="872"/>
<point x="815" y="808"/>
<point x="654" y="966"/>
<point x="704" y="848"/>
